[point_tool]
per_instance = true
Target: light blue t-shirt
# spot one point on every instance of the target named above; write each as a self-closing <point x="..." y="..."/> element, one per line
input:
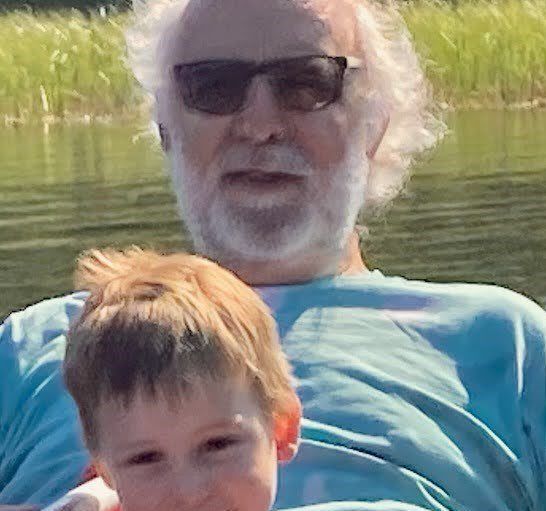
<point x="416" y="396"/>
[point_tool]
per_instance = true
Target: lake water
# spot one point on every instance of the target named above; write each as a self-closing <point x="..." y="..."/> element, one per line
<point x="474" y="211"/>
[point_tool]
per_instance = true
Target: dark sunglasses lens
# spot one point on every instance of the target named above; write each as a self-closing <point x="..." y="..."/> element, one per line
<point x="309" y="84"/>
<point x="213" y="87"/>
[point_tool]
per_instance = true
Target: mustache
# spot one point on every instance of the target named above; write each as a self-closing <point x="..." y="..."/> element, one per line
<point x="271" y="158"/>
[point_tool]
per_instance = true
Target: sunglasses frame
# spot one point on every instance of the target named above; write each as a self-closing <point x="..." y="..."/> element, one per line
<point x="259" y="68"/>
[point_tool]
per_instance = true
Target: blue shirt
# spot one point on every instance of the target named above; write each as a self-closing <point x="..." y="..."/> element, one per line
<point x="416" y="396"/>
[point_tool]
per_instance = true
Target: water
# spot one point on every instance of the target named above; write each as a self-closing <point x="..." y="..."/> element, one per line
<point x="474" y="211"/>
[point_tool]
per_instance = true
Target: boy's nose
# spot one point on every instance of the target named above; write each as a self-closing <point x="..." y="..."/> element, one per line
<point x="191" y="486"/>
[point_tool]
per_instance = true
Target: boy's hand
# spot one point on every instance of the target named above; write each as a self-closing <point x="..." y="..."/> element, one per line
<point x="18" y="508"/>
<point x="93" y="495"/>
<point x="74" y="502"/>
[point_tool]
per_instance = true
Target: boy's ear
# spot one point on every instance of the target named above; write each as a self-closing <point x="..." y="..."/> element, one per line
<point x="287" y="431"/>
<point x="104" y="473"/>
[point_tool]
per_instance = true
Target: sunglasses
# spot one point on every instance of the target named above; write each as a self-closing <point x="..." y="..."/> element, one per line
<point x="305" y="84"/>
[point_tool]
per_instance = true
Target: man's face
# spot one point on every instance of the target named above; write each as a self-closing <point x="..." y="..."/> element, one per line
<point x="211" y="451"/>
<point x="266" y="182"/>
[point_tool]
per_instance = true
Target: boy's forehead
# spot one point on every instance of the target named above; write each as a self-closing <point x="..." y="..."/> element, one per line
<point x="209" y="406"/>
<point x="254" y="30"/>
<point x="228" y="399"/>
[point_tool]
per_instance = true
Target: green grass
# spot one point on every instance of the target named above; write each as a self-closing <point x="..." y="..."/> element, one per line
<point x="63" y="64"/>
<point x="482" y="53"/>
<point x="476" y="54"/>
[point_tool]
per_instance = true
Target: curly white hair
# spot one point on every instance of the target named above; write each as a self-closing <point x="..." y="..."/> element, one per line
<point x="394" y="80"/>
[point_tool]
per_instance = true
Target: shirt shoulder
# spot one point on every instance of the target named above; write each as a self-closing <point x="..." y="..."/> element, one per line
<point x="380" y="292"/>
<point x="485" y="314"/>
<point x="39" y="432"/>
<point x="32" y="347"/>
<point x="479" y="303"/>
<point x="38" y="324"/>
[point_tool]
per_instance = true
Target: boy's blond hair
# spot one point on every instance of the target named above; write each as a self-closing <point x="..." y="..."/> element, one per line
<point x="157" y="323"/>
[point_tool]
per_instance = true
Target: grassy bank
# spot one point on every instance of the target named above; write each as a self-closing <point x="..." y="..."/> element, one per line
<point x="63" y="64"/>
<point x="488" y="54"/>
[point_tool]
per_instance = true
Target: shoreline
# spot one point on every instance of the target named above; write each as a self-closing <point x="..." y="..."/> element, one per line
<point x="89" y="119"/>
<point x="68" y="66"/>
<point x="72" y="119"/>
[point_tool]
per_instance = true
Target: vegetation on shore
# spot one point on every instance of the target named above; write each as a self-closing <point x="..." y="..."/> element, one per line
<point x="480" y="53"/>
<point x="477" y="53"/>
<point x="63" y="64"/>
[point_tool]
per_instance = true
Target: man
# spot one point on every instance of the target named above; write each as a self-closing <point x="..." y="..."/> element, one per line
<point x="283" y="119"/>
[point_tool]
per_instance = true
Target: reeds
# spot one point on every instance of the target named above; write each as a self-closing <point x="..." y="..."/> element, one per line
<point x="482" y="53"/>
<point x="62" y="64"/>
<point x="476" y="53"/>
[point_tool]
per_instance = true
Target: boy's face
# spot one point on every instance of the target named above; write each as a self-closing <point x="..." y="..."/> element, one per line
<point x="211" y="451"/>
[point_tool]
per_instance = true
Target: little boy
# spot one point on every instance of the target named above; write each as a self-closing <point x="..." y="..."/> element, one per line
<point x="183" y="391"/>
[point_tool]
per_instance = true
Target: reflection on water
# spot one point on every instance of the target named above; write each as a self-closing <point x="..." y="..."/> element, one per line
<point x="473" y="212"/>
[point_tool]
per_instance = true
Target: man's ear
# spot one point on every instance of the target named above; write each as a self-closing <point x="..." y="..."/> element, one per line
<point x="159" y="117"/>
<point x="164" y="137"/>
<point x="287" y="431"/>
<point x="378" y="119"/>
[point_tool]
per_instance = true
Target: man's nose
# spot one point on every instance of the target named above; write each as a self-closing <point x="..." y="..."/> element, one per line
<point x="261" y="121"/>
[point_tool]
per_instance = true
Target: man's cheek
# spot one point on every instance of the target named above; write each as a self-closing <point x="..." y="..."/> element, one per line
<point x="324" y="137"/>
<point x="202" y="140"/>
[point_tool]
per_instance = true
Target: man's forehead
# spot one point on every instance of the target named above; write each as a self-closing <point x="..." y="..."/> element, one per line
<point x="258" y="29"/>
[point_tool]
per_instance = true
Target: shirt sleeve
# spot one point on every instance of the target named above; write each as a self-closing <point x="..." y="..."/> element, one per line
<point x="530" y="329"/>
<point x="41" y="452"/>
<point x="380" y="505"/>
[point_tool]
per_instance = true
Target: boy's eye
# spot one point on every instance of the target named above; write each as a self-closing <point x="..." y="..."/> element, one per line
<point x="145" y="458"/>
<point x="220" y="443"/>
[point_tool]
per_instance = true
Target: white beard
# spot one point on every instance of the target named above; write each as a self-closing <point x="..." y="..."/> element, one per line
<point x="272" y="231"/>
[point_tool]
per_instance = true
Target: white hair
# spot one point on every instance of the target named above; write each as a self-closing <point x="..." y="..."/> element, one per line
<point x="394" y="84"/>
